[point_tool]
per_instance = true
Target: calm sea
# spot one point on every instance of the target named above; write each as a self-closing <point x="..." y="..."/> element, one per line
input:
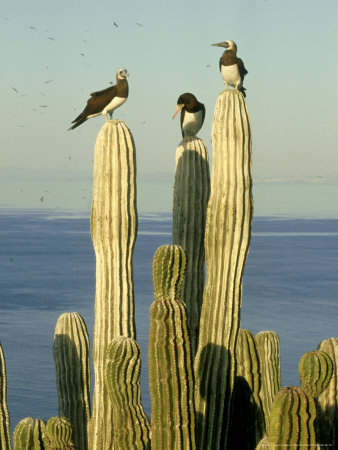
<point x="48" y="267"/>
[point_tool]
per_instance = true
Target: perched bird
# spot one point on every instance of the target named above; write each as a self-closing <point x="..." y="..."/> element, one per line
<point x="192" y="114"/>
<point x="231" y="67"/>
<point x="104" y="102"/>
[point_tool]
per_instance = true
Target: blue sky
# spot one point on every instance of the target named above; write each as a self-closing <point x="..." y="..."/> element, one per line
<point x="289" y="47"/>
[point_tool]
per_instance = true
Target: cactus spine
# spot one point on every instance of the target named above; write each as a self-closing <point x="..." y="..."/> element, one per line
<point x="191" y="194"/>
<point x="328" y="399"/>
<point x="71" y="357"/>
<point x="123" y="367"/>
<point x="30" y="434"/>
<point x="227" y="238"/>
<point x="170" y="365"/>
<point x="5" y="438"/>
<point x="315" y="371"/>
<point x="59" y="434"/>
<point x="113" y="228"/>
<point x="292" y="419"/>
<point x="268" y="347"/>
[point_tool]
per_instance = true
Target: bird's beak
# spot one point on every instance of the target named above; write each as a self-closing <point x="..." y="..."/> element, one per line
<point x="179" y="107"/>
<point x="220" y="44"/>
<point x="126" y="74"/>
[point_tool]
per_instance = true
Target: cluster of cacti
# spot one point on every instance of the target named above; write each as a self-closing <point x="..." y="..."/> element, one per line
<point x="212" y="385"/>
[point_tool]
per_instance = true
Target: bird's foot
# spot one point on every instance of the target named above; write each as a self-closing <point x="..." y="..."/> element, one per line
<point x="114" y="120"/>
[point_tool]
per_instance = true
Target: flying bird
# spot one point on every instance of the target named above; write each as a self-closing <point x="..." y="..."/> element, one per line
<point x="231" y="67"/>
<point x="106" y="101"/>
<point x="192" y="114"/>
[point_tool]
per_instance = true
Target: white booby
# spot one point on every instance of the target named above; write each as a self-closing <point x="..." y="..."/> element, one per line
<point x="104" y="102"/>
<point x="231" y="67"/>
<point x="192" y="114"/>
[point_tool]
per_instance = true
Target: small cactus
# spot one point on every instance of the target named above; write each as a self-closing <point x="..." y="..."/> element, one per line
<point x="5" y="438"/>
<point x="123" y="367"/>
<point x="30" y="434"/>
<point x="59" y="434"/>
<point x="268" y="347"/>
<point x="292" y="419"/>
<point x="170" y="364"/>
<point x="71" y="357"/>
<point x="315" y="371"/>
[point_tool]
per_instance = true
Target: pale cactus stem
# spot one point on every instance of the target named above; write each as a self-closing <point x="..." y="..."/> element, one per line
<point x="190" y="199"/>
<point x="71" y="358"/>
<point x="123" y="368"/>
<point x="291" y="422"/>
<point x="327" y="401"/>
<point x="227" y="239"/>
<point x="268" y="346"/>
<point x="171" y="379"/>
<point x="5" y="437"/>
<point x="59" y="434"/>
<point x="113" y="228"/>
<point x="30" y="434"/>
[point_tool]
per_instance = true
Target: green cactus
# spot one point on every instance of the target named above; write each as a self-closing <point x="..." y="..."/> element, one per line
<point x="327" y="401"/>
<point x="315" y="371"/>
<point x="247" y="422"/>
<point x="227" y="239"/>
<point x="30" y="434"/>
<point x="123" y="367"/>
<point x="113" y="228"/>
<point x="59" y="434"/>
<point x="268" y="347"/>
<point x="71" y="357"/>
<point x="191" y="194"/>
<point x="170" y="364"/>
<point x="291" y="420"/>
<point x="5" y="437"/>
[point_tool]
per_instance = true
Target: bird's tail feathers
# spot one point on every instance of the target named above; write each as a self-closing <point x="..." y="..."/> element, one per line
<point x="77" y="123"/>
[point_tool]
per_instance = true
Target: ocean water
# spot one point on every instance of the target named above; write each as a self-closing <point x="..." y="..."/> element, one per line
<point x="290" y="285"/>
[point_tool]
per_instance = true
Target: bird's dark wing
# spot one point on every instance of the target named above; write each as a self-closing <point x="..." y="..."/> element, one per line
<point x="105" y="91"/>
<point x="242" y="69"/>
<point x="97" y="102"/>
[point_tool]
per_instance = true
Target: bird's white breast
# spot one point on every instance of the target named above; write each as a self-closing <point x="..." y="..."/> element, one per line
<point x="192" y="123"/>
<point x="231" y="75"/>
<point x="115" y="103"/>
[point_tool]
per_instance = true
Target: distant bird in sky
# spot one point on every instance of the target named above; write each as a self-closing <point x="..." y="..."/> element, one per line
<point x="32" y="28"/>
<point x="231" y="67"/>
<point x="192" y="114"/>
<point x="106" y="101"/>
<point x="115" y="25"/>
<point x="139" y="24"/>
<point x="51" y="38"/>
<point x="14" y="89"/>
<point x="47" y="81"/>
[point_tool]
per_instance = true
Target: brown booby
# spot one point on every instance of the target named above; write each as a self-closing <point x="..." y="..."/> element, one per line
<point x="104" y="102"/>
<point x="192" y="114"/>
<point x="231" y="67"/>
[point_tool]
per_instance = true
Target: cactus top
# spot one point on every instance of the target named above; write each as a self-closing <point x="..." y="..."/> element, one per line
<point x="168" y="271"/>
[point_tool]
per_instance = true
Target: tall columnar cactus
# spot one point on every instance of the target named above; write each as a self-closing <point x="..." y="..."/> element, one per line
<point x="268" y="347"/>
<point x="227" y="238"/>
<point x="328" y="400"/>
<point x="59" y="434"/>
<point x="291" y="420"/>
<point x="247" y="420"/>
<point x="191" y="194"/>
<point x="71" y="357"/>
<point x="30" y="434"/>
<point x="170" y="365"/>
<point x="123" y="367"/>
<point x="315" y="371"/>
<point x="5" y="438"/>
<point x="113" y="228"/>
